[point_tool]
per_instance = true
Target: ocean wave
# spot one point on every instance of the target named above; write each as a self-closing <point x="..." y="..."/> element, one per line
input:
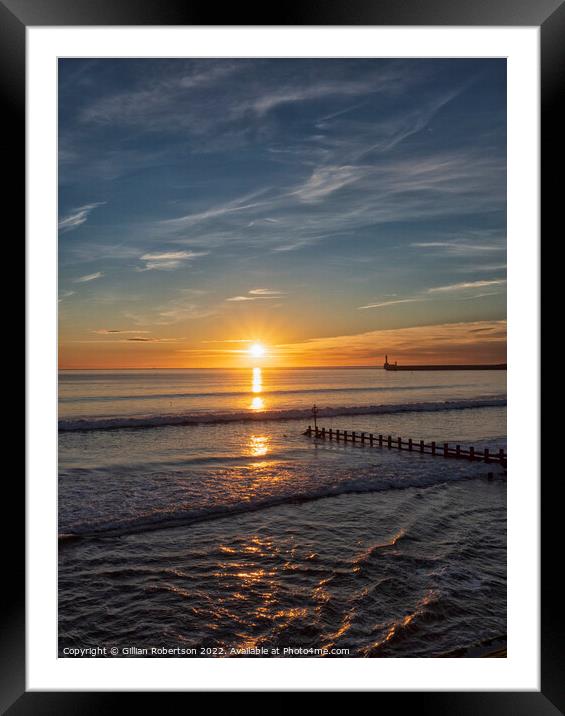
<point x="245" y="392"/>
<point x="174" y="517"/>
<point x="160" y="420"/>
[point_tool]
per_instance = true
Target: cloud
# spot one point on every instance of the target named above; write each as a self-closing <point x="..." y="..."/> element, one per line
<point x="138" y="339"/>
<point x="334" y="199"/>
<point x="77" y="216"/>
<point x="266" y="292"/>
<point x="326" y="180"/>
<point x="289" y="95"/>
<point x="416" y="121"/>
<point x="473" y="342"/>
<point x="255" y="294"/>
<point x="110" y="331"/>
<point x="65" y="294"/>
<point x="243" y="203"/>
<point x="293" y="247"/>
<point x="391" y="303"/>
<point x="168" y="260"/>
<point x="88" y="277"/>
<point x="459" y="248"/>
<point x="465" y="285"/>
<point x="162" y="102"/>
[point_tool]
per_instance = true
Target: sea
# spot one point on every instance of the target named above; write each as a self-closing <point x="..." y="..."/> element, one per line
<point x="196" y="518"/>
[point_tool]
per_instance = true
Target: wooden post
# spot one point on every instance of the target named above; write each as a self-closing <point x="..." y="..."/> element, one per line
<point x="371" y="438"/>
<point x="487" y="456"/>
<point x="345" y="436"/>
<point x="337" y="435"/>
<point x="433" y="447"/>
<point x="362" y="438"/>
<point x="315" y="414"/>
<point x="399" y="441"/>
<point x="471" y="453"/>
<point x="458" y="451"/>
<point x="410" y="444"/>
<point x="389" y="442"/>
<point x="331" y="434"/>
<point x="380" y="440"/>
<point x="446" y="449"/>
<point x="353" y="436"/>
<point x="421" y="446"/>
<point x="501" y="458"/>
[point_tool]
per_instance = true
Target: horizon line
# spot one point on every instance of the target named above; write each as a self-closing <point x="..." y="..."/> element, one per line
<point x="278" y="367"/>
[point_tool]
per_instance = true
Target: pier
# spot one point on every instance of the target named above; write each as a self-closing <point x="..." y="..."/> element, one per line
<point x="388" y="442"/>
<point x="446" y="366"/>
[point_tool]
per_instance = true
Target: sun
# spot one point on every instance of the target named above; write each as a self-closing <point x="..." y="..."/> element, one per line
<point x="256" y="350"/>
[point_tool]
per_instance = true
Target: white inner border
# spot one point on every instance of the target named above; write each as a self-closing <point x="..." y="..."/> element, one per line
<point x="520" y="671"/>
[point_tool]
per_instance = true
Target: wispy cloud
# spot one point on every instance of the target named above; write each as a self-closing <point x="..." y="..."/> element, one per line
<point x="465" y="285"/>
<point x="326" y="180"/>
<point x="256" y="294"/>
<point x="113" y="339"/>
<point x="458" y="248"/>
<point x="391" y="303"/>
<point x="77" y="217"/>
<point x="313" y="91"/>
<point x="139" y="339"/>
<point x="111" y="331"/>
<point x="88" y="277"/>
<point x="65" y="294"/>
<point x="168" y="260"/>
<point x="477" y="268"/>
<point x="266" y="292"/>
<point x="158" y="98"/>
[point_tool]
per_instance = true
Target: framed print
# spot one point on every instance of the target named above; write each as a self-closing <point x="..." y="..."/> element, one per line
<point x="283" y="353"/>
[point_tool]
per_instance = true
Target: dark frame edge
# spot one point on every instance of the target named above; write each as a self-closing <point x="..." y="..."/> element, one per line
<point x="13" y="697"/>
<point x="12" y="101"/>
<point x="552" y="67"/>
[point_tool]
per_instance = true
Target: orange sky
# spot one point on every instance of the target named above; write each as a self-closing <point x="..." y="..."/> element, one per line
<point x="472" y="342"/>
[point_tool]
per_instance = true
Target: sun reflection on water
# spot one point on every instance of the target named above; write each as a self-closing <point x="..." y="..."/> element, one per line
<point x="257" y="381"/>
<point x="259" y="445"/>
<point x="257" y="403"/>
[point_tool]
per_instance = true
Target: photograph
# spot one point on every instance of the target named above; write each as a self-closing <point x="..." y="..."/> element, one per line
<point x="282" y="357"/>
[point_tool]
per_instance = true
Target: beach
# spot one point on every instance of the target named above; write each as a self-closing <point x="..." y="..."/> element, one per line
<point x="194" y="514"/>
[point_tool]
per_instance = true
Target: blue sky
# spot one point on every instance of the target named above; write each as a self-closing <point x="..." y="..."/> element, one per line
<point x="205" y="203"/>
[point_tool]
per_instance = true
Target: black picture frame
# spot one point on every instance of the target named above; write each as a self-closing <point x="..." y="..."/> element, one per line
<point x="549" y="15"/>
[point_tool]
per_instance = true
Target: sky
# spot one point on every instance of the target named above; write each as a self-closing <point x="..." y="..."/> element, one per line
<point x="333" y="210"/>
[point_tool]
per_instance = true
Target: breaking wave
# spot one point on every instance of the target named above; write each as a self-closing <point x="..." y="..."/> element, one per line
<point x="164" y="518"/>
<point x="202" y="418"/>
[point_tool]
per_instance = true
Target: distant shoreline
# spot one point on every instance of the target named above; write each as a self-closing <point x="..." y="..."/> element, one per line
<point x="454" y="366"/>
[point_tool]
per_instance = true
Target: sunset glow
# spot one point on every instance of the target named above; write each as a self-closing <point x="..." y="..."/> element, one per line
<point x="257" y="350"/>
<point x="349" y="209"/>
